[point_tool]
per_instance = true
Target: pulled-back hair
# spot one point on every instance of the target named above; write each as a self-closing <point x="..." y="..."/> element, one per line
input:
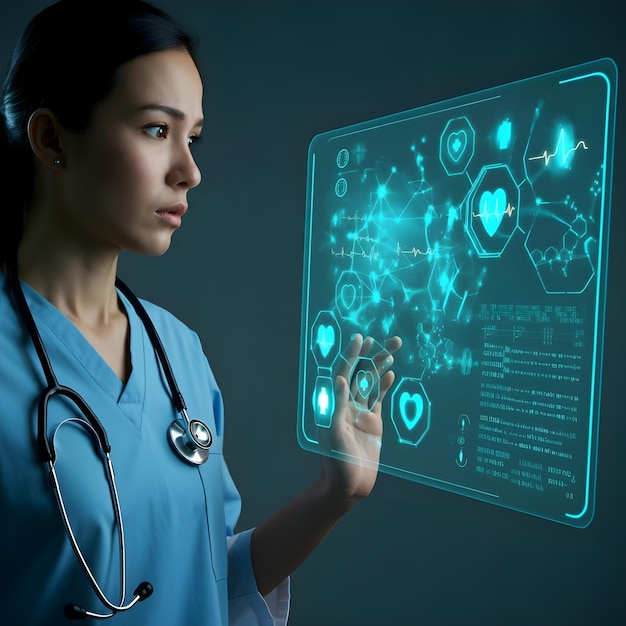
<point x="66" y="61"/>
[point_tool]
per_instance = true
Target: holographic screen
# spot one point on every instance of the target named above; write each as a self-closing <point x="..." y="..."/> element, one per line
<point x="476" y="229"/>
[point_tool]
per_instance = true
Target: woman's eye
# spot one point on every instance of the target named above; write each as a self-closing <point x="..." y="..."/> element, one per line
<point x="193" y="139"/>
<point x="158" y="132"/>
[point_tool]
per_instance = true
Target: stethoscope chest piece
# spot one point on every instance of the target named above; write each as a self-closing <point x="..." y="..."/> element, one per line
<point x="191" y="443"/>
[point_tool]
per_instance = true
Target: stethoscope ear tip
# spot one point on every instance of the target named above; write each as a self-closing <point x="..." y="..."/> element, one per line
<point x="144" y="590"/>
<point x="72" y="611"/>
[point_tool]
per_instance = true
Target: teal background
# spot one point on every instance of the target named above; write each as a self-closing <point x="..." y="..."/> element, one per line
<point x="276" y="74"/>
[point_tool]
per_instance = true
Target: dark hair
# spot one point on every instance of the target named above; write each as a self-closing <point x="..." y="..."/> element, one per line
<point x="66" y="60"/>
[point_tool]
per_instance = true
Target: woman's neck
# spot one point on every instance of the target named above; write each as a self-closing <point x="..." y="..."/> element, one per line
<point x="78" y="278"/>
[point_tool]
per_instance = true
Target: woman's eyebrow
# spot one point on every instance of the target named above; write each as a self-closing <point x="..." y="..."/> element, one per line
<point x="171" y="111"/>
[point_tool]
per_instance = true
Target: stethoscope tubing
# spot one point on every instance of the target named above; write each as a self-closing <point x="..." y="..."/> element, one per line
<point x="191" y="439"/>
<point x="117" y="511"/>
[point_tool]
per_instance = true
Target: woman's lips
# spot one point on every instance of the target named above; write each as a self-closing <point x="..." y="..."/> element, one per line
<point x="173" y="215"/>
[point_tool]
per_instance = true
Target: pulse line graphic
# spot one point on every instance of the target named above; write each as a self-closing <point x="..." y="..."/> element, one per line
<point x="560" y="144"/>
<point x="352" y="218"/>
<point x="486" y="215"/>
<point x="351" y="254"/>
<point x="414" y="251"/>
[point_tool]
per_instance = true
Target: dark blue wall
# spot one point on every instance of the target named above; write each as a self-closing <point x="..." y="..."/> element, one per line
<point x="277" y="73"/>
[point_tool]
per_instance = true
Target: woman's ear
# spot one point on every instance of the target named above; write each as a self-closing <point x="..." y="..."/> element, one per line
<point x="45" y="137"/>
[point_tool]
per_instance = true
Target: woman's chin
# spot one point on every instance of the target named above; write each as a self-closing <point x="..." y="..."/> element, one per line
<point x="158" y="246"/>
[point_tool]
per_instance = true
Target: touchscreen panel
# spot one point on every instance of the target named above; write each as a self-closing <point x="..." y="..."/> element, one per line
<point x="476" y="229"/>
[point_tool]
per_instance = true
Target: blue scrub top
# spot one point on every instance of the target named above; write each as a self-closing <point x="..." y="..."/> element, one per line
<point x="176" y="516"/>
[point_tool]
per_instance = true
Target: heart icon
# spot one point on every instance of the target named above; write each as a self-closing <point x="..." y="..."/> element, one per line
<point x="457" y="142"/>
<point x="364" y="383"/>
<point x="325" y="339"/>
<point x="411" y="409"/>
<point x="348" y="296"/>
<point x="492" y="209"/>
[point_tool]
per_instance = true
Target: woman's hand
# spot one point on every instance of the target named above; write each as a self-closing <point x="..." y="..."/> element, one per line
<point x="362" y="379"/>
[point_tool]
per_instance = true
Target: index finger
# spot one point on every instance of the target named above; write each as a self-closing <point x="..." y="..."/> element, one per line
<point x="352" y="352"/>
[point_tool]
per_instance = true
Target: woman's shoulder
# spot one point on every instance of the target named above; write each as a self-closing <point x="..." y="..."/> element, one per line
<point x="167" y="323"/>
<point x="179" y="339"/>
<point x="182" y="344"/>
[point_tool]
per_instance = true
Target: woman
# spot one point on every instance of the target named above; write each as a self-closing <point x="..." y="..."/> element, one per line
<point x="99" y="122"/>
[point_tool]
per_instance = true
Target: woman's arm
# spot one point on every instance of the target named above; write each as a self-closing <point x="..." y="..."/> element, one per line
<point x="285" y="540"/>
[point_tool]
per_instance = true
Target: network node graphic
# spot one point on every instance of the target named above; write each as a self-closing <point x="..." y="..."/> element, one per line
<point x="562" y="252"/>
<point x="475" y="229"/>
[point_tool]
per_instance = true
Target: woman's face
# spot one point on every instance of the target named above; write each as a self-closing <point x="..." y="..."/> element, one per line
<point x="126" y="177"/>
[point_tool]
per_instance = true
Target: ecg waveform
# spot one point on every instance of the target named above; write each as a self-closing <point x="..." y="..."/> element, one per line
<point x="560" y="146"/>
<point x="487" y="214"/>
<point x="351" y="254"/>
<point x="414" y="251"/>
<point x="352" y="218"/>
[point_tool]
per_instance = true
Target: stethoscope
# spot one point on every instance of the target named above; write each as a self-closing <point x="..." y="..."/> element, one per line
<point x="190" y="438"/>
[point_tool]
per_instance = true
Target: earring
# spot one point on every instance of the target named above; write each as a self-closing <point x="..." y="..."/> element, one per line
<point x="57" y="161"/>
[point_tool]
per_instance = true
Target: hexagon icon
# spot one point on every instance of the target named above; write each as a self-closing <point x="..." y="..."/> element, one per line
<point x="365" y="387"/>
<point x="325" y="338"/>
<point x="457" y="145"/>
<point x="492" y="210"/>
<point x="323" y="401"/>
<point x="410" y="411"/>
<point x="349" y="295"/>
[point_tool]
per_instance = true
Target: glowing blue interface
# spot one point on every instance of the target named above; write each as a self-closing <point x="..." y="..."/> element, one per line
<point x="476" y="229"/>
